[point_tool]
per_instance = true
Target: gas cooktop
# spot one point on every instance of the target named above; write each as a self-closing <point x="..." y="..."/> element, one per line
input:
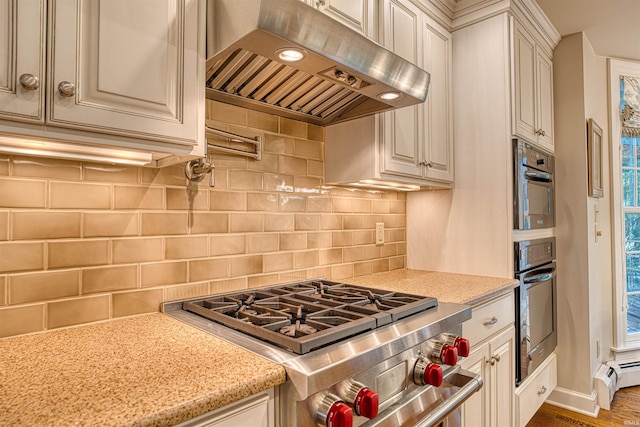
<point x="303" y="316"/>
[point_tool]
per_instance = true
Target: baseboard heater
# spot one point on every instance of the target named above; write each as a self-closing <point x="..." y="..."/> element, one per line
<point x="607" y="381"/>
<point x="630" y="374"/>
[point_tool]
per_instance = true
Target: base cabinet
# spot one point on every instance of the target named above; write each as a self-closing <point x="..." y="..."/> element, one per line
<point x="491" y="332"/>
<point x="254" y="411"/>
<point x="532" y="393"/>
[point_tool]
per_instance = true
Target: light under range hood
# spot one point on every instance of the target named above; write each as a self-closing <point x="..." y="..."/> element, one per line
<point x="342" y="75"/>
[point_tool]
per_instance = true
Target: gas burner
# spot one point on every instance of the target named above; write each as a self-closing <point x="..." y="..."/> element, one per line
<point x="307" y="315"/>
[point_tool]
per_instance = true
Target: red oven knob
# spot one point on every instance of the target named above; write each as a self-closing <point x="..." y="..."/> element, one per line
<point x="445" y="354"/>
<point x="333" y="412"/>
<point x="461" y="344"/>
<point x="366" y="403"/>
<point x="425" y="372"/>
<point x="362" y="398"/>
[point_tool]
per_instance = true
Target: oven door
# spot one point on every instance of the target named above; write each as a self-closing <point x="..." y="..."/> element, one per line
<point x="536" y="300"/>
<point x="535" y="199"/>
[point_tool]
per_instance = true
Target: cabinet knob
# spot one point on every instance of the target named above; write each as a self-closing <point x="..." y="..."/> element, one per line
<point x="321" y="3"/>
<point x="425" y="163"/>
<point x="541" y="132"/>
<point x="496" y="357"/>
<point x="66" y="88"/>
<point x="29" y="81"/>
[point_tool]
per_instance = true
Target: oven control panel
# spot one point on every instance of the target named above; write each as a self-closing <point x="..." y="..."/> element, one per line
<point x="355" y="401"/>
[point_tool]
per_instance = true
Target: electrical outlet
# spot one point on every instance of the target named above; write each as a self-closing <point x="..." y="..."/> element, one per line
<point x="379" y="233"/>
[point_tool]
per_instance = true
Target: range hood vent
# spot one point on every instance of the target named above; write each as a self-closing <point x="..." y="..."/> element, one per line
<point x="342" y="74"/>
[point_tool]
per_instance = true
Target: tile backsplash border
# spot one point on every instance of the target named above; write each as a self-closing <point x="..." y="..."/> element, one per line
<point x="87" y="242"/>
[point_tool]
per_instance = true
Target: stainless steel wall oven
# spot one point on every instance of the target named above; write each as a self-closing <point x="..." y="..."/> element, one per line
<point x="533" y="187"/>
<point x="536" y="304"/>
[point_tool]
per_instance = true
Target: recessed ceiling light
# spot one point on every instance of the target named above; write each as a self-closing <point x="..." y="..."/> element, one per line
<point x="290" y="54"/>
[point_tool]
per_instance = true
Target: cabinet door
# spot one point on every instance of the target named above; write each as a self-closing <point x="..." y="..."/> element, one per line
<point x="401" y="153"/>
<point x="475" y="410"/>
<point x="128" y="67"/>
<point x="503" y="379"/>
<point x="356" y="14"/>
<point x="22" y="46"/>
<point x="544" y="69"/>
<point x="524" y="99"/>
<point x="438" y="127"/>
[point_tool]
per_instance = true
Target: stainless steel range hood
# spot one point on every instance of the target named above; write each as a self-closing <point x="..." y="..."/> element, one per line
<point x="342" y="75"/>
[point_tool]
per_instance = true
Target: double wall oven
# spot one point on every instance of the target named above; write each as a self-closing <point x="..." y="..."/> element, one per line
<point x="354" y="356"/>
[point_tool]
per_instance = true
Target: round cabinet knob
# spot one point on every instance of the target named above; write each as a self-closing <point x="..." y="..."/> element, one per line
<point x="427" y="373"/>
<point x="29" y="81"/>
<point x="366" y="403"/>
<point x="66" y="89"/>
<point x="333" y="412"/>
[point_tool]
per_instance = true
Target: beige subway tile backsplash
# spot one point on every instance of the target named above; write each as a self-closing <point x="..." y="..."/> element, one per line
<point x="21" y="320"/>
<point x="68" y="195"/>
<point x="112" y="278"/>
<point x="163" y="273"/>
<point x="85" y="242"/>
<point x="22" y="193"/>
<point x="107" y="224"/>
<point x="76" y="253"/>
<point x="41" y="167"/>
<point x="137" y="250"/>
<point x="138" y="197"/>
<point x="18" y="256"/>
<point x="77" y="311"/>
<point x="45" y="225"/>
<point x="43" y="286"/>
<point x="4" y="226"/>
<point x="136" y="302"/>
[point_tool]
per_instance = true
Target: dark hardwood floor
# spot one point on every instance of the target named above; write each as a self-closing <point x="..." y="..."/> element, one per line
<point x="625" y="411"/>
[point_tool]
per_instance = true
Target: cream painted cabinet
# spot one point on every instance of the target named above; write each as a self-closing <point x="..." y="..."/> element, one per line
<point x="532" y="89"/>
<point x="254" y="411"/>
<point x="418" y="141"/>
<point x="114" y="67"/>
<point x="22" y="59"/>
<point x="492" y="334"/>
<point x="356" y="14"/>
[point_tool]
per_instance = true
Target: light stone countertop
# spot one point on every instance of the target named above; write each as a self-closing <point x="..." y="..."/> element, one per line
<point x="446" y="287"/>
<point x="155" y="370"/>
<point x="137" y="371"/>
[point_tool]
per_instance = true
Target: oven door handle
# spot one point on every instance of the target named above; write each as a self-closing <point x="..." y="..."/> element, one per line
<point x="538" y="176"/>
<point x="543" y="277"/>
<point x="472" y="383"/>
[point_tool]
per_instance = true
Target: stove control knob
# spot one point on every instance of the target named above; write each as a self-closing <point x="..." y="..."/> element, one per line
<point x="427" y="373"/>
<point x="363" y="399"/>
<point x="461" y="344"/>
<point x="444" y="354"/>
<point x="333" y="412"/>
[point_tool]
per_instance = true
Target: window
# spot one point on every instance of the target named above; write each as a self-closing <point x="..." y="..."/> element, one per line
<point x="630" y="172"/>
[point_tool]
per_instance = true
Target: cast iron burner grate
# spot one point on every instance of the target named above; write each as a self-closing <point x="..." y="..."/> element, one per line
<point x="307" y="315"/>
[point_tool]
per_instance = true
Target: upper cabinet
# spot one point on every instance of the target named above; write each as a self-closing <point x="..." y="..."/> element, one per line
<point x="532" y="89"/>
<point x="412" y="146"/>
<point x="356" y="14"/>
<point x="418" y="141"/>
<point x="114" y="67"/>
<point x="22" y="59"/>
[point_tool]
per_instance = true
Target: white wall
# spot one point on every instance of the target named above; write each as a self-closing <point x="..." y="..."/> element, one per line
<point x="584" y="265"/>
<point x="468" y="229"/>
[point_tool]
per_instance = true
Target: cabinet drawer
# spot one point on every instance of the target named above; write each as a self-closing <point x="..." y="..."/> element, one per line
<point x="536" y="389"/>
<point x="489" y="318"/>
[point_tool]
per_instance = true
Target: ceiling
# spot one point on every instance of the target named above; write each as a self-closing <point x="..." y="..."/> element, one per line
<point x="612" y="26"/>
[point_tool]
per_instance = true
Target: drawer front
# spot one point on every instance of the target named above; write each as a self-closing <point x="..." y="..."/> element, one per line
<point x="489" y="319"/>
<point x="536" y="389"/>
